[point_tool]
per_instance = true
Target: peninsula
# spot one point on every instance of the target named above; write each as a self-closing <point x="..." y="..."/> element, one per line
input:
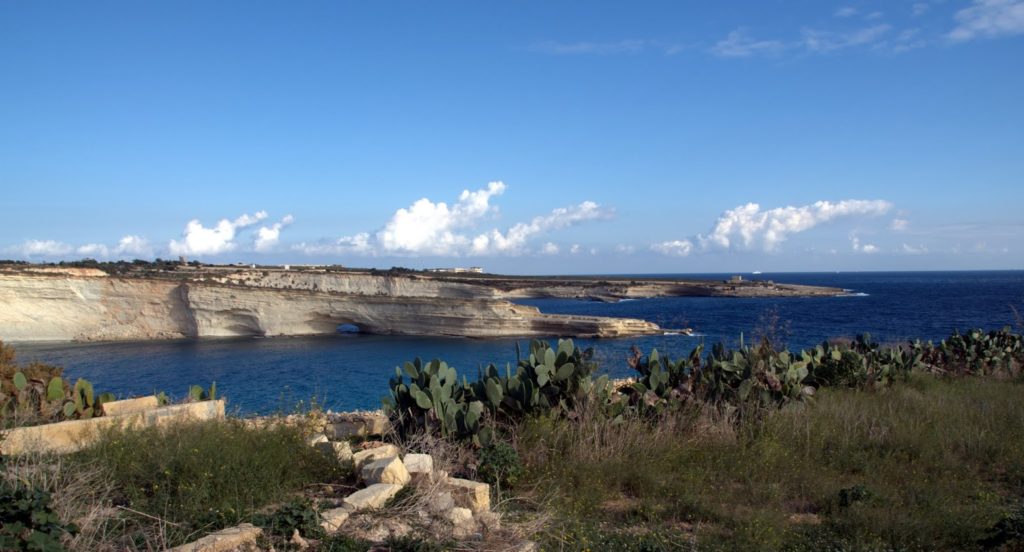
<point x="164" y="300"/>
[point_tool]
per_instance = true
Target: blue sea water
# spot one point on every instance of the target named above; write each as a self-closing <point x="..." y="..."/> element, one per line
<point x="347" y="372"/>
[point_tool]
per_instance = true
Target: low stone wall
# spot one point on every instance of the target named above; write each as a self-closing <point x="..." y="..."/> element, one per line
<point x="73" y="435"/>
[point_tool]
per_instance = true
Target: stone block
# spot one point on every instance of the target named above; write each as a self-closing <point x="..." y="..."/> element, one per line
<point x="358" y="425"/>
<point x="463" y="524"/>
<point x="439" y="503"/>
<point x="372" y="497"/>
<point x="470" y="494"/>
<point x="420" y="466"/>
<point x="386" y="470"/>
<point x="332" y="520"/>
<point x="74" y="435"/>
<point x="232" y="538"/>
<point x="130" y="406"/>
<point x="369" y="455"/>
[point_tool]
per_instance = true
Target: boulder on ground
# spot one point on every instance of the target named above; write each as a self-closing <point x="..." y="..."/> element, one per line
<point x="362" y="457"/>
<point x="373" y="497"/>
<point x="332" y="520"/>
<point x="471" y="494"/>
<point x="231" y="538"/>
<point x="419" y="465"/>
<point x="316" y="439"/>
<point x="385" y="470"/>
<point x="341" y="450"/>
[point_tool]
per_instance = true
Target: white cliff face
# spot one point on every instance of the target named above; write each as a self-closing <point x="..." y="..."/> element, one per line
<point x="89" y="305"/>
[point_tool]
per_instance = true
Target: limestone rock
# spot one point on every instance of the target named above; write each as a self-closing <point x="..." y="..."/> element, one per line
<point x="332" y="520"/>
<point x="386" y="470"/>
<point x="420" y="466"/>
<point x="362" y="457"/>
<point x="471" y="494"/>
<point x="490" y="521"/>
<point x="440" y="503"/>
<point x="232" y="538"/>
<point x="298" y="541"/>
<point x="372" y="497"/>
<point x="345" y="426"/>
<point x="463" y="524"/>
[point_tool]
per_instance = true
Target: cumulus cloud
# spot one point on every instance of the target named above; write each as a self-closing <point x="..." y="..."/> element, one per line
<point x="914" y="250"/>
<point x="268" y="236"/>
<point x="862" y="247"/>
<point x="749" y="227"/>
<point x="128" y="246"/>
<point x="739" y="44"/>
<point x="677" y="248"/>
<point x="437" y="229"/>
<point x="899" y="224"/>
<point x="989" y="18"/>
<point x="41" y="248"/>
<point x="430" y="228"/>
<point x="200" y="240"/>
<point x="625" y="249"/>
<point x="514" y="240"/>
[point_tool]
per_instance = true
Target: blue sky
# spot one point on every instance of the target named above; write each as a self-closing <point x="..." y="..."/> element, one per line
<point x="524" y="137"/>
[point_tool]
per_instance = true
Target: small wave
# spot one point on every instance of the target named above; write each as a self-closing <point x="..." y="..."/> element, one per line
<point x="857" y="294"/>
<point x="626" y="300"/>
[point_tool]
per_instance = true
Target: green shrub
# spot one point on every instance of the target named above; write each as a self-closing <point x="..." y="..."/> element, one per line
<point x="207" y="475"/>
<point x="297" y="515"/>
<point x="28" y="522"/>
<point x="498" y="464"/>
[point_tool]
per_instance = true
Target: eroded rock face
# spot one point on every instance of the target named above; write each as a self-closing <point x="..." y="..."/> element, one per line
<point x="90" y="305"/>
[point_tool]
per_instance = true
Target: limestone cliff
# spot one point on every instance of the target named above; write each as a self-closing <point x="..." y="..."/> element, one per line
<point x="82" y="304"/>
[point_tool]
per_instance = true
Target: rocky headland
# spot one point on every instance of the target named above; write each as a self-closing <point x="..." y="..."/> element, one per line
<point x="87" y="304"/>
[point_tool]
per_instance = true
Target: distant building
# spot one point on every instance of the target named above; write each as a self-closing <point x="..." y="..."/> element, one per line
<point x="736" y="279"/>
<point x="458" y="270"/>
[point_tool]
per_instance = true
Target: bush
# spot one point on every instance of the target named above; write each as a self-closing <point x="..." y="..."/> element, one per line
<point x="28" y="522"/>
<point x="207" y="475"/>
<point x="499" y="465"/>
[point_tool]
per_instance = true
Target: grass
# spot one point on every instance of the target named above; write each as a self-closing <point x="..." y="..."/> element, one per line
<point x="930" y="464"/>
<point x="178" y="482"/>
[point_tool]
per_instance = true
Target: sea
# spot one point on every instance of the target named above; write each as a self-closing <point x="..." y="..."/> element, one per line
<point x="350" y="371"/>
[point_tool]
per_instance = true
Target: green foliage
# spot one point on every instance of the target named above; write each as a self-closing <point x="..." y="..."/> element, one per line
<point x="297" y="515"/>
<point x="205" y="475"/>
<point x="996" y="353"/>
<point x="549" y="381"/>
<point x="28" y="522"/>
<point x="37" y="393"/>
<point x="196" y="393"/>
<point x="498" y="464"/>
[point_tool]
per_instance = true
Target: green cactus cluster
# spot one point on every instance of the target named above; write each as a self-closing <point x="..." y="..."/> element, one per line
<point x="433" y="399"/>
<point x="998" y="353"/>
<point x="28" y="398"/>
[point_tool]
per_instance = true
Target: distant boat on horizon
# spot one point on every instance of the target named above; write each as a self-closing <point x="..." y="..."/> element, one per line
<point x="756" y="272"/>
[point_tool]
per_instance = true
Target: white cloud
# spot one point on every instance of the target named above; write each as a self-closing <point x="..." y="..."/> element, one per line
<point x="862" y="248"/>
<point x="748" y="227"/>
<point x="134" y="245"/>
<point x="677" y="248"/>
<point x="738" y="44"/>
<point x="592" y="48"/>
<point x="914" y="250"/>
<point x="625" y="249"/>
<point x="429" y="228"/>
<point x="899" y="224"/>
<point x="575" y="249"/>
<point x="200" y="240"/>
<point x="268" y="236"/>
<point x="873" y="15"/>
<point x="989" y="18"/>
<point x="514" y="240"/>
<point x="95" y="250"/>
<point x="40" y="248"/>
<point x="846" y="11"/>
<point x="827" y="41"/>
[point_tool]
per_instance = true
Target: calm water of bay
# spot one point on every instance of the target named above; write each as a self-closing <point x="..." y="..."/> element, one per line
<point x="348" y="372"/>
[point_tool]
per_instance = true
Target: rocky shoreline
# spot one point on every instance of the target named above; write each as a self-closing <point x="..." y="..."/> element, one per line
<point x="86" y="304"/>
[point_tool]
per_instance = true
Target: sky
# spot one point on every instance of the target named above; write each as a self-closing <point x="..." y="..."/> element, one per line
<point x="527" y="137"/>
